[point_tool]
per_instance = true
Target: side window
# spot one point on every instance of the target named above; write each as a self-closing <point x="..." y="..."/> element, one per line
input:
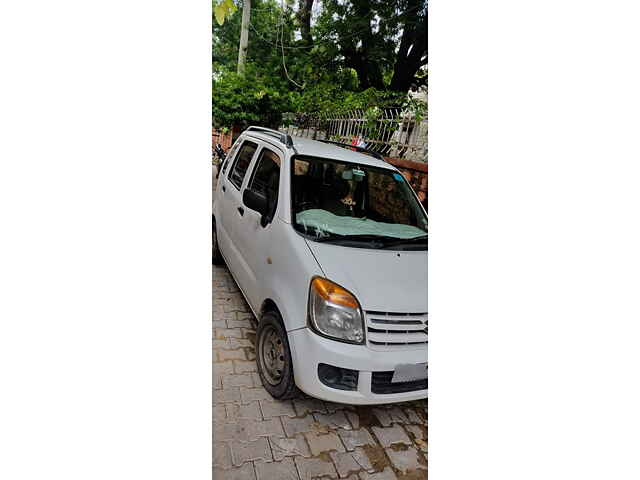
<point x="241" y="163"/>
<point x="229" y="156"/>
<point x="266" y="178"/>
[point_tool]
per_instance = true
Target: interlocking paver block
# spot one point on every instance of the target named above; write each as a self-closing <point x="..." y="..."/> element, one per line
<point x="226" y="396"/>
<point x="267" y="428"/>
<point x="293" y="426"/>
<point x="310" y="468"/>
<point x="413" y="416"/>
<point x="383" y="416"/>
<point x="333" y="420"/>
<point x="242" y="380"/>
<point x="345" y="464"/>
<point x="247" y="333"/>
<point x="398" y="416"/>
<point x="237" y="411"/>
<point x="222" y="333"/>
<point x="240" y="343"/>
<point x="219" y="413"/>
<point x="220" y="344"/>
<point x="406" y="459"/>
<point x="304" y="406"/>
<point x="244" y="366"/>
<point x="282" y="470"/>
<point x="222" y="368"/>
<point x="246" y="472"/>
<point x="242" y="452"/>
<point x="354" y="419"/>
<point x="224" y="355"/>
<point x="256" y="379"/>
<point x="390" y="435"/>
<point x="418" y="433"/>
<point x="251" y="394"/>
<point x="356" y="438"/>
<point x="240" y="323"/>
<point x="276" y="408"/>
<point x="360" y="456"/>
<point x="326" y="442"/>
<point x="222" y="455"/>
<point x="226" y="432"/>
<point x="386" y="474"/>
<point x="289" y="447"/>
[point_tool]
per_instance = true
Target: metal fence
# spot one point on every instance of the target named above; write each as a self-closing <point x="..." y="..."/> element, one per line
<point x="392" y="132"/>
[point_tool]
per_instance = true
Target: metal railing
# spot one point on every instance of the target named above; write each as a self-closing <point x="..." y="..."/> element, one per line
<point x="392" y="132"/>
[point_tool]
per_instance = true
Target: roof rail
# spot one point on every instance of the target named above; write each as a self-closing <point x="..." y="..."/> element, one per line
<point x="356" y="148"/>
<point x="283" y="137"/>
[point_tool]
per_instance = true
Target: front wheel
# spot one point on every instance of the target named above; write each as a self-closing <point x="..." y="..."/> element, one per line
<point x="274" y="358"/>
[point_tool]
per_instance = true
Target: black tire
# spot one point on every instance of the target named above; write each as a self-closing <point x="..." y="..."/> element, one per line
<point x="283" y="386"/>
<point x="216" y="257"/>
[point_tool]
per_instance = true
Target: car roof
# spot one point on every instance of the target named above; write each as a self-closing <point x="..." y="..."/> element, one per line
<point x="315" y="148"/>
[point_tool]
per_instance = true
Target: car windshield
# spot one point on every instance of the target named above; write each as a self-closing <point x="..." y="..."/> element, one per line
<point x="355" y="205"/>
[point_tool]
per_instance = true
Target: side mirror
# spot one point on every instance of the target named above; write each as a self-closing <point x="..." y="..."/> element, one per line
<point x="255" y="201"/>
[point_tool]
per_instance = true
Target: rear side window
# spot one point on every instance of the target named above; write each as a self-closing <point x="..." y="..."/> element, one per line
<point x="241" y="164"/>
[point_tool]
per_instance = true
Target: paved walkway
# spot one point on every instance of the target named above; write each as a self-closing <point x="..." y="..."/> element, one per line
<point x="257" y="438"/>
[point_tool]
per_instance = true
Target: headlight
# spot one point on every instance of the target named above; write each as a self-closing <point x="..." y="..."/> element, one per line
<point x="334" y="312"/>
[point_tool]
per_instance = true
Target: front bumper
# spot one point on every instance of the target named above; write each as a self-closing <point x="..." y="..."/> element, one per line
<point x="308" y="350"/>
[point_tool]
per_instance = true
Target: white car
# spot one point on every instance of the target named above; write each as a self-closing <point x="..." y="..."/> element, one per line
<point x="329" y="247"/>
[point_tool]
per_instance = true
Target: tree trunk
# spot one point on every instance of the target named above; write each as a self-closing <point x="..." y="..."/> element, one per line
<point x="412" y="55"/>
<point x="244" y="36"/>
<point x="304" y="16"/>
<point x="368" y="71"/>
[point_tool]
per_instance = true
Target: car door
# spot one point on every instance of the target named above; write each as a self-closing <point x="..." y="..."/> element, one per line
<point x="231" y="207"/>
<point x="252" y="239"/>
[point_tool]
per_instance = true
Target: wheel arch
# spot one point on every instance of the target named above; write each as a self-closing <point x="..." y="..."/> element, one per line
<point x="269" y="305"/>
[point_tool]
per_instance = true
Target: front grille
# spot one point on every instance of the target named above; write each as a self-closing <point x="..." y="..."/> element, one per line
<point x="396" y="331"/>
<point x="381" y="384"/>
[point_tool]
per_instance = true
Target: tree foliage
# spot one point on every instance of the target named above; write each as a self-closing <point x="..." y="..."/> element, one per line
<point x="328" y="55"/>
<point x="223" y="9"/>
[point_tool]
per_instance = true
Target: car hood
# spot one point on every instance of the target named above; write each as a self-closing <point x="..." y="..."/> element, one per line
<point x="382" y="280"/>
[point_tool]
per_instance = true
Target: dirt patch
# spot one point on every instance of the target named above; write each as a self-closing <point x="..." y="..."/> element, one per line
<point x="399" y="447"/>
<point x="419" y="440"/>
<point x="413" y="475"/>
<point x="422" y="460"/>
<point x="324" y="456"/>
<point x="376" y="456"/>
<point x="319" y="427"/>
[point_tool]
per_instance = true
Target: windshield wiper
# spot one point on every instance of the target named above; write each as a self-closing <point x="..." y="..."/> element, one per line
<point x="329" y="236"/>
<point x="407" y="241"/>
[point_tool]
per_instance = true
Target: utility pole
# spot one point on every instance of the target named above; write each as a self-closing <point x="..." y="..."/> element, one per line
<point x="244" y="36"/>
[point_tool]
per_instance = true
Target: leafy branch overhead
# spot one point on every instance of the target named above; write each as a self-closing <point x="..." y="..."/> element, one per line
<point x="223" y="9"/>
<point x="320" y="56"/>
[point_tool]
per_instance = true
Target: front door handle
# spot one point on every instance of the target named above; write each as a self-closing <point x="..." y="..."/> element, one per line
<point x="241" y="211"/>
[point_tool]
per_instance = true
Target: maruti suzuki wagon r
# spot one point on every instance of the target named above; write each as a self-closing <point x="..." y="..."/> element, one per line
<point x="329" y="247"/>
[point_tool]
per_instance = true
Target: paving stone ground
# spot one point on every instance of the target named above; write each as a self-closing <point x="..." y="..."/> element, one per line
<point x="259" y="438"/>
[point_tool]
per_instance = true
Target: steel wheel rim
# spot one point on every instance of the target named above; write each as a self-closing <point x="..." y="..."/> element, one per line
<point x="272" y="356"/>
